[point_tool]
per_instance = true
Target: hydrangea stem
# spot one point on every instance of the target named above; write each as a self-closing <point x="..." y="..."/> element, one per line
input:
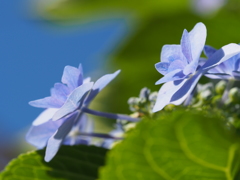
<point x="226" y="92"/>
<point x="109" y="115"/>
<point x="100" y="135"/>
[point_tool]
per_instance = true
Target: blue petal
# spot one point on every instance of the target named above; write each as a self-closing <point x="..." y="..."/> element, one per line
<point x="221" y="55"/>
<point x="39" y="135"/>
<point x="177" y="64"/>
<point x="165" y="94"/>
<point x="74" y="100"/>
<point x="99" y="85"/>
<point x="217" y="75"/>
<point x="236" y="75"/>
<point x="232" y="64"/>
<point x="202" y="61"/>
<point x="186" y="88"/>
<point x="84" y="125"/>
<point x="72" y="77"/>
<point x="162" y="67"/>
<point x="47" y="102"/>
<point x="87" y="80"/>
<point x="57" y="138"/>
<point x="186" y="46"/>
<point x="197" y="37"/>
<point x="189" y="69"/>
<point x="237" y="62"/>
<point x="217" y="69"/>
<point x="60" y="92"/>
<point x="45" y="116"/>
<point x="80" y="69"/>
<point x="175" y="93"/>
<point x="171" y="76"/>
<point x="209" y="51"/>
<point x="171" y="53"/>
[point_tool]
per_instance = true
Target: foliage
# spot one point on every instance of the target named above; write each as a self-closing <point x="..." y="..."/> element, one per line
<point x="200" y="140"/>
<point x="178" y="145"/>
<point x="72" y="162"/>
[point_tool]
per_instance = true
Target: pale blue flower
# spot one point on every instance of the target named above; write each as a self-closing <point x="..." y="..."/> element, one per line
<point x="207" y="7"/>
<point x="64" y="121"/>
<point x="181" y="69"/>
<point x="229" y="69"/>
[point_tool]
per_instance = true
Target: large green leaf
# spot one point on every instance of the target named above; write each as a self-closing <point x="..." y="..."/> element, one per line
<point x="71" y="162"/>
<point x="177" y="146"/>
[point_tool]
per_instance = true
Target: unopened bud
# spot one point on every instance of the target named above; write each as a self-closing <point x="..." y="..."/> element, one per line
<point x="234" y="94"/>
<point x="153" y="96"/>
<point x="144" y="93"/>
<point x="205" y="95"/>
<point x="133" y="101"/>
<point x="169" y="107"/>
<point x="220" y="87"/>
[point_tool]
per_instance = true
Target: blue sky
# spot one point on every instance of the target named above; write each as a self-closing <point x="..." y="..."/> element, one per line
<point x="33" y="55"/>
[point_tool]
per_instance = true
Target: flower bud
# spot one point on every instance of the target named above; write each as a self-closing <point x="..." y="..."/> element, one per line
<point x="144" y="93"/>
<point x="153" y="96"/>
<point x="205" y="95"/>
<point x="234" y="94"/>
<point x="169" y="107"/>
<point x="220" y="87"/>
<point x="133" y="101"/>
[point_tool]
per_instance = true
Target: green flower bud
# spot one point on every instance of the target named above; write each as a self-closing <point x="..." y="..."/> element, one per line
<point x="205" y="95"/>
<point x="169" y="107"/>
<point x="220" y="87"/>
<point x="234" y="94"/>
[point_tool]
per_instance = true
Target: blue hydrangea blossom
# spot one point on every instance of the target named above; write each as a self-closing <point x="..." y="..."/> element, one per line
<point x="207" y="7"/>
<point x="181" y="69"/>
<point x="229" y="69"/>
<point x="64" y="120"/>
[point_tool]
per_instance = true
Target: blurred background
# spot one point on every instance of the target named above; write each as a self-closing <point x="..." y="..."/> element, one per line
<point x="38" y="38"/>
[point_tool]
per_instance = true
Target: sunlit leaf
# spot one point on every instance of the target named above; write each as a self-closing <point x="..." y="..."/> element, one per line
<point x="181" y="145"/>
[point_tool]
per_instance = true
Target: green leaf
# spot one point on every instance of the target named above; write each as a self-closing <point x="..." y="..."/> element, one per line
<point x="71" y="162"/>
<point x="182" y="145"/>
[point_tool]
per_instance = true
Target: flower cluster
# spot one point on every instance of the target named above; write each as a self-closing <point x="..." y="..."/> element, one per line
<point x="182" y="66"/>
<point x="143" y="105"/>
<point x="65" y="120"/>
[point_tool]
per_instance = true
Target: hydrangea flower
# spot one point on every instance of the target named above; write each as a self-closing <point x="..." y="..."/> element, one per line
<point x="229" y="69"/>
<point x="207" y="7"/>
<point x="180" y="66"/>
<point x="64" y="120"/>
